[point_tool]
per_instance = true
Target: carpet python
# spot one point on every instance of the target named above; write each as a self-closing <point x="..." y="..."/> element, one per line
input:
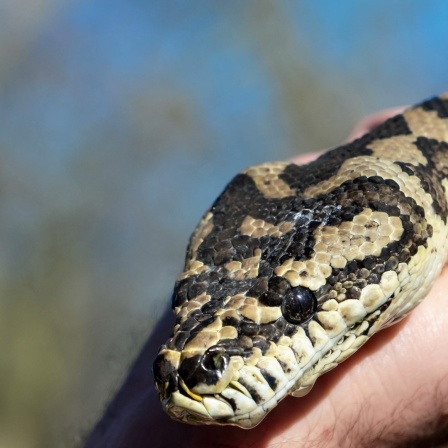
<point x="294" y="268"/>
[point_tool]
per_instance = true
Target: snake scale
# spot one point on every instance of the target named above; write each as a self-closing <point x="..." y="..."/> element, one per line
<point x="294" y="268"/>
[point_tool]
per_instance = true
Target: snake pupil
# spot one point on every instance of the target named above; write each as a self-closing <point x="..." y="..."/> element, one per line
<point x="298" y="305"/>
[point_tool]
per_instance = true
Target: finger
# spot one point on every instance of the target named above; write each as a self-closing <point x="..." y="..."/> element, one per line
<point x="366" y="124"/>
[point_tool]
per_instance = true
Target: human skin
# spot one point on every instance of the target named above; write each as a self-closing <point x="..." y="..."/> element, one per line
<point x="391" y="393"/>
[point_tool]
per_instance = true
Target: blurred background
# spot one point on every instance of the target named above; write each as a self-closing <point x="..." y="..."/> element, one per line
<point x="120" y="122"/>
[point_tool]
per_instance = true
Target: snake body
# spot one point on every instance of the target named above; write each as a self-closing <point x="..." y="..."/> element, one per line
<point x="294" y="268"/>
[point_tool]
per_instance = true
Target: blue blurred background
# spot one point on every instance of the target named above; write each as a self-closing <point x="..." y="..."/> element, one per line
<point x="120" y="122"/>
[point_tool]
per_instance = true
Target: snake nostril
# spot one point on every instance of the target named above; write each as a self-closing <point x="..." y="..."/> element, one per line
<point x="205" y="369"/>
<point x="214" y="359"/>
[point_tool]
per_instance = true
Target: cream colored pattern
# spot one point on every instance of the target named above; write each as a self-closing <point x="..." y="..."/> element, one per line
<point x="256" y="228"/>
<point x="248" y="268"/>
<point x="267" y="180"/>
<point x="334" y="246"/>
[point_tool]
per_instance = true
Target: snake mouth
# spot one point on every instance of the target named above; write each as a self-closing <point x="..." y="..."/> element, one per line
<point x="235" y="406"/>
<point x="211" y="409"/>
<point x="203" y="382"/>
<point x="242" y="397"/>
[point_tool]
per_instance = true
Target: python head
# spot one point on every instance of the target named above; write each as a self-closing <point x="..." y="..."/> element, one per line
<point x="291" y="270"/>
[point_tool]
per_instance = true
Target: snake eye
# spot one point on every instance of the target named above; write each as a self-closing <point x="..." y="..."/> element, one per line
<point x="298" y="305"/>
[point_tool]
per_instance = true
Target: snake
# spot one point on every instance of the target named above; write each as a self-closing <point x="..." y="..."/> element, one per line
<point x="294" y="267"/>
